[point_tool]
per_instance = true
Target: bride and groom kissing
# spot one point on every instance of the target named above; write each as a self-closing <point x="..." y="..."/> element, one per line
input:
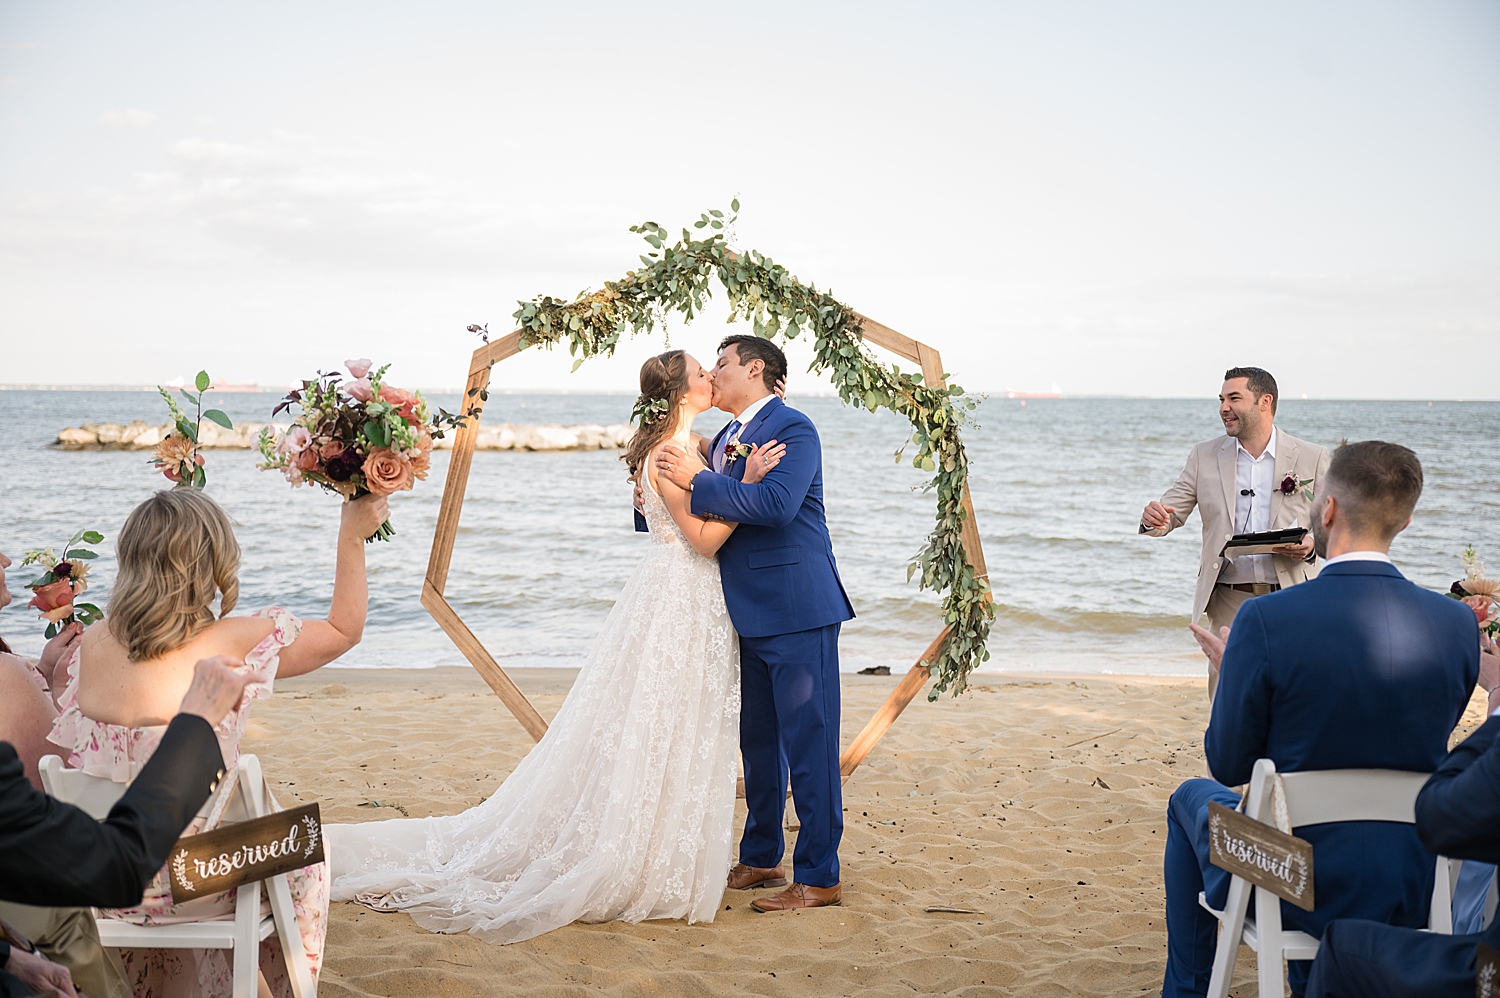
<point x="723" y="646"/>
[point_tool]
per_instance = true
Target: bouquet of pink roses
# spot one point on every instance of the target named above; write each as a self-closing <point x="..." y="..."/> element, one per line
<point x="355" y="437"/>
<point x="63" y="580"/>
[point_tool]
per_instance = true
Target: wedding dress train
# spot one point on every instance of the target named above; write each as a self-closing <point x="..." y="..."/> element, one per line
<point x="624" y="810"/>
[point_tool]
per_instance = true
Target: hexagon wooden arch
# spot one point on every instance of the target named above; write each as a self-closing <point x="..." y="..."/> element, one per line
<point x="462" y="457"/>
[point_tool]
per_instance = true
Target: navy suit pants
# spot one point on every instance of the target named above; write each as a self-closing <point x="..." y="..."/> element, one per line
<point x="1363" y="959"/>
<point x="789" y="725"/>
<point x="1192" y="933"/>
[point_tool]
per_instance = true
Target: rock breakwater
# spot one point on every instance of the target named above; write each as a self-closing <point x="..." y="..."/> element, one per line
<point x="141" y="435"/>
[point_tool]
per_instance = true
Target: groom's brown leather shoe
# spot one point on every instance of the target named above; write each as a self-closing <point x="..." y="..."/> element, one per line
<point x="800" y="896"/>
<point x="743" y="877"/>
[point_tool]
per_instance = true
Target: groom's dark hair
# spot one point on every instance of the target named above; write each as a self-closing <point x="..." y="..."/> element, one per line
<point x="754" y="348"/>
<point x="1258" y="381"/>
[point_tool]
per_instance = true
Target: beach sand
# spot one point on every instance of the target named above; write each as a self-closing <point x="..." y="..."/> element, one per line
<point x="1038" y="801"/>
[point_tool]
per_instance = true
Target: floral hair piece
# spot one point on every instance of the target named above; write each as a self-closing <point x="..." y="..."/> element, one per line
<point x="648" y="410"/>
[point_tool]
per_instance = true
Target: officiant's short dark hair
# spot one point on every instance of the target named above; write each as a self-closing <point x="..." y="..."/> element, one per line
<point x="1376" y="483"/>
<point x="1258" y="380"/>
<point x="754" y="348"/>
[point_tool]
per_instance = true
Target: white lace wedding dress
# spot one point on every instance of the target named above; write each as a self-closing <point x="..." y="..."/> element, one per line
<point x="625" y="808"/>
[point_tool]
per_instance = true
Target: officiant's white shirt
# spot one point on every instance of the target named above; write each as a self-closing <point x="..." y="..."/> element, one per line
<point x="1252" y="513"/>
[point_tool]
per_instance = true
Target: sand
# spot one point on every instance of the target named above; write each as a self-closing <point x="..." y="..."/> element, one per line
<point x="1038" y="801"/>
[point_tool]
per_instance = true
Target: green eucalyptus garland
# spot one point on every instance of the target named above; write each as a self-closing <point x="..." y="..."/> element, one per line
<point x="675" y="278"/>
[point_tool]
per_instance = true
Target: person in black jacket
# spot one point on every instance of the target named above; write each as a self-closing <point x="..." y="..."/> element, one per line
<point x="1458" y="815"/>
<point x="56" y="854"/>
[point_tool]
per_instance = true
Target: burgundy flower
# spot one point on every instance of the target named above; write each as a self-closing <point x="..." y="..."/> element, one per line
<point x="63" y="570"/>
<point x="1288" y="485"/>
<point x="1458" y="589"/>
<point x="339" y="468"/>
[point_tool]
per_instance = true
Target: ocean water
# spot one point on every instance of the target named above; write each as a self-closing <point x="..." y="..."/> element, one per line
<point x="546" y="541"/>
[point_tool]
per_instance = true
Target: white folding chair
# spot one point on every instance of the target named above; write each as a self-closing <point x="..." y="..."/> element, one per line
<point x="246" y="790"/>
<point x="1312" y="798"/>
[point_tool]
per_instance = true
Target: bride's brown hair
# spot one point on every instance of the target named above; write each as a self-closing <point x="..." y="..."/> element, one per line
<point x="664" y="382"/>
<point x="175" y="553"/>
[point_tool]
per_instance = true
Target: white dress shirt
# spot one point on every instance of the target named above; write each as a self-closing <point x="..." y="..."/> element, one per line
<point x="743" y="419"/>
<point x="1252" y="513"/>
<point x="1360" y="556"/>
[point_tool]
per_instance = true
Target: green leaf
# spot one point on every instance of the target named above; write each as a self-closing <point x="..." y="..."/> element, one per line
<point x="188" y="395"/>
<point x="734" y="205"/>
<point x="93" y="536"/>
<point x="219" y="417"/>
<point x="51" y="632"/>
<point x="200" y="478"/>
<point x="83" y="553"/>
<point x="577" y="364"/>
<point x="716" y="213"/>
<point x="202" y="381"/>
<point x="188" y="430"/>
<point x="376" y="433"/>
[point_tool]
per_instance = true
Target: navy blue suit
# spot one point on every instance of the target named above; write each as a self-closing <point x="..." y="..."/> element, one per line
<point x="784" y="595"/>
<point x="1356" y="669"/>
<point x="1458" y="814"/>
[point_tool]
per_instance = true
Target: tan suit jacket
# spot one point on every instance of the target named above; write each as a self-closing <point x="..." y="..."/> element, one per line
<point x="1208" y="483"/>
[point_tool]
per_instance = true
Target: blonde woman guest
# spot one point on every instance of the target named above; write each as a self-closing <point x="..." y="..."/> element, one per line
<point x="176" y="556"/>
<point x="26" y="709"/>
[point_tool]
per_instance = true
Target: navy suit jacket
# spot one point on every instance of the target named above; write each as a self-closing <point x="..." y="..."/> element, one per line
<point x="1458" y="811"/>
<point x="1356" y="669"/>
<point x="777" y="567"/>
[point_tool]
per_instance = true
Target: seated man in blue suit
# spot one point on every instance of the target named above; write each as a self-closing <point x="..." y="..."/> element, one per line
<point x="1356" y="669"/>
<point x="1458" y="815"/>
<point x="783" y="592"/>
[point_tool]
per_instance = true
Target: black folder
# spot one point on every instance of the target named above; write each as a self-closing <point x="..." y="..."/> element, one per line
<point x="1261" y="542"/>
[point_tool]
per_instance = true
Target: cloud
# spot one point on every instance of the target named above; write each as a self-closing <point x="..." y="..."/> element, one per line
<point x="132" y="117"/>
<point x="9" y="83"/>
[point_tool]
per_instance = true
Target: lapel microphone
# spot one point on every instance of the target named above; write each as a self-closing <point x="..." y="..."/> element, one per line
<point x="1247" y="492"/>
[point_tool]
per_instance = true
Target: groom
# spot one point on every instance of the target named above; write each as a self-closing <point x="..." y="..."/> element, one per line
<point x="784" y="595"/>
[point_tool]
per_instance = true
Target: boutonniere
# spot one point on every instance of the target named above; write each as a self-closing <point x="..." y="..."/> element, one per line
<point x="1291" y="483"/>
<point x="733" y="451"/>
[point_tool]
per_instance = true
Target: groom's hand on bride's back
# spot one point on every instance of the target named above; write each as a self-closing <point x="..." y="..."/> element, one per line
<point x="678" y="466"/>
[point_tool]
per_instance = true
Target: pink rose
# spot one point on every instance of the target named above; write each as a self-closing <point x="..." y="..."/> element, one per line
<point x="387" y="472"/>
<point x="294" y="440"/>
<point x="360" y="389"/>
<point x="1482" y="607"/>
<point x="331" y="450"/>
<point x="54" y="600"/>
<point x="307" y="459"/>
<point x="359" y="368"/>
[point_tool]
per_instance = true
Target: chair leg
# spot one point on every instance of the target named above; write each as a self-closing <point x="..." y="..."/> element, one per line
<point x="290" y="934"/>
<point x="1269" y="965"/>
<point x="1231" y="928"/>
<point x="246" y="940"/>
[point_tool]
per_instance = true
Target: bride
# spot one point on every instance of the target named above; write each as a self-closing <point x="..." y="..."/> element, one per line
<point x="624" y="809"/>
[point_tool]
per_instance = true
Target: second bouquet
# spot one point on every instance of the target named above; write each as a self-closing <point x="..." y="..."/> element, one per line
<point x="356" y="436"/>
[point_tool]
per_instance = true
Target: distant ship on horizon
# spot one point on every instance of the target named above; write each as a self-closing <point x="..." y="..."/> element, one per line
<point x="1055" y="393"/>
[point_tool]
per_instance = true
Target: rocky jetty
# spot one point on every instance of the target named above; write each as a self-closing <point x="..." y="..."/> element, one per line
<point x="141" y="435"/>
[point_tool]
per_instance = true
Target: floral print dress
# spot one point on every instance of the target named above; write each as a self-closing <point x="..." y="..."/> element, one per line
<point x="118" y="752"/>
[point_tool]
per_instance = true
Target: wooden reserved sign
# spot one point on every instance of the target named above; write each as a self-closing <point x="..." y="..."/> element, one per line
<point x="1261" y="854"/>
<point x="1487" y="972"/>
<point x="252" y="850"/>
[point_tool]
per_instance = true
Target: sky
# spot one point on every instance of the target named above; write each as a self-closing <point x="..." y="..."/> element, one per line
<point x="1108" y="198"/>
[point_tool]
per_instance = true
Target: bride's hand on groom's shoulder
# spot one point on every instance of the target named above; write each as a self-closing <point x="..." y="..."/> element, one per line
<point x="761" y="459"/>
<point x="678" y="466"/>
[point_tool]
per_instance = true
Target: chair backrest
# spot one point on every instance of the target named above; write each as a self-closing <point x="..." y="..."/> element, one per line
<point x="93" y="794"/>
<point x="1352" y="795"/>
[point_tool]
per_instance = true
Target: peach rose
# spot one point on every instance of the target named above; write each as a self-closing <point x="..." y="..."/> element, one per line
<point x="306" y="459"/>
<point x="404" y="402"/>
<point x="54" y="600"/>
<point x="387" y="472"/>
<point x="331" y="450"/>
<point x="1482" y="606"/>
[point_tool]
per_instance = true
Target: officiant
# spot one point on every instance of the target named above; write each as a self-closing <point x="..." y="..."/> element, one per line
<point x="1254" y="478"/>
